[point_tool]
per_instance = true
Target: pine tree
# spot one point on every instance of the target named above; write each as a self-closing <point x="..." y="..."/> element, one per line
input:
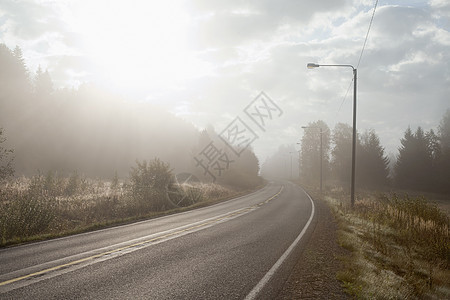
<point x="444" y="132"/>
<point x="371" y="163"/>
<point x="443" y="161"/>
<point x="43" y="83"/>
<point x="20" y="69"/>
<point x="413" y="169"/>
<point x="13" y="72"/>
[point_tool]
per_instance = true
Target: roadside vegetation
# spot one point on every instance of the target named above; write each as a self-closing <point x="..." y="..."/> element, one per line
<point x="399" y="246"/>
<point x="398" y="240"/>
<point x="49" y="205"/>
<point x="96" y="132"/>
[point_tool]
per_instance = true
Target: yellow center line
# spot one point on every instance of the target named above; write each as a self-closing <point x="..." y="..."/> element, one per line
<point x="75" y="262"/>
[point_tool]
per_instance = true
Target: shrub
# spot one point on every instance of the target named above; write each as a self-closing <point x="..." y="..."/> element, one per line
<point x="26" y="213"/>
<point x="150" y="184"/>
<point x="6" y="160"/>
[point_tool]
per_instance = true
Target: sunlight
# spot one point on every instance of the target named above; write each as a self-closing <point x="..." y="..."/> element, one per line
<point x="137" y="44"/>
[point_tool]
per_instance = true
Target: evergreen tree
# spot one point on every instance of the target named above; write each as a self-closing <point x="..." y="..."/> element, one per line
<point x="434" y="151"/>
<point x="442" y="164"/>
<point x="13" y="72"/>
<point x="371" y="162"/>
<point x="43" y="83"/>
<point x="413" y="169"/>
<point x="20" y="69"/>
<point x="444" y="132"/>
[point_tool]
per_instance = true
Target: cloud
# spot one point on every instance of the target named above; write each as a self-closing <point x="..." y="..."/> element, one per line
<point x="403" y="77"/>
<point x="233" y="23"/>
<point x="30" y="20"/>
<point x="249" y="46"/>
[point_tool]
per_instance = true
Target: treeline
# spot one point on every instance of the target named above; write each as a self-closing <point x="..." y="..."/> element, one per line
<point x="424" y="158"/>
<point x="422" y="163"/>
<point x="86" y="129"/>
<point x="89" y="129"/>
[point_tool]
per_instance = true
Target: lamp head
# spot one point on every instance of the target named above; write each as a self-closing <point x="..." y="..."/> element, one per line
<point x="312" y="65"/>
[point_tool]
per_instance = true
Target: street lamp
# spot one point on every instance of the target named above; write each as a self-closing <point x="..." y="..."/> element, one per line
<point x="321" y="153"/>
<point x="312" y="66"/>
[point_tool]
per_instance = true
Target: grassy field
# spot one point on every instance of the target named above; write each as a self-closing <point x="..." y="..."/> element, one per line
<point x="399" y="245"/>
<point x="48" y="206"/>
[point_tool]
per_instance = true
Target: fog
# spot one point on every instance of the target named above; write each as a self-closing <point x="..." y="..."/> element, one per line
<point x="97" y="86"/>
<point x="89" y="130"/>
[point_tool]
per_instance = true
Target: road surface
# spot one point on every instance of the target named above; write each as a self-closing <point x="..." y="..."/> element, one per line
<point x="238" y="249"/>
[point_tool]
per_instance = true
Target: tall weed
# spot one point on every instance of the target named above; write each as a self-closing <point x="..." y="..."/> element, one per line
<point x="404" y="239"/>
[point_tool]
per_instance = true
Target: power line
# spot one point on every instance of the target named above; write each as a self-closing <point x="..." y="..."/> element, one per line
<point x="367" y="34"/>
<point x="343" y="99"/>
<point x="360" y="55"/>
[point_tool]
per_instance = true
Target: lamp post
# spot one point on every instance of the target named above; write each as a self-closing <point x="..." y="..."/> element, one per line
<point x="352" y="189"/>
<point x="321" y="153"/>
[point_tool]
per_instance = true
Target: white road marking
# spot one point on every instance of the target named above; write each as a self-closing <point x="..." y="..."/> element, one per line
<point x="255" y="291"/>
<point x="27" y="276"/>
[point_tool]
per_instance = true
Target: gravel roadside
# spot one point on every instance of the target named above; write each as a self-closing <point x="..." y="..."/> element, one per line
<point x="314" y="274"/>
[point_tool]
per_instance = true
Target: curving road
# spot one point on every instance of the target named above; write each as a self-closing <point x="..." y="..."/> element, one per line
<point x="239" y="249"/>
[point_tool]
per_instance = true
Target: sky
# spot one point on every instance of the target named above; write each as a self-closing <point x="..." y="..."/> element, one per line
<point x="207" y="60"/>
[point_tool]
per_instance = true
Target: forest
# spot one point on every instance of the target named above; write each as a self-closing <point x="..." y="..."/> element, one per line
<point x="76" y="159"/>
<point x="94" y="132"/>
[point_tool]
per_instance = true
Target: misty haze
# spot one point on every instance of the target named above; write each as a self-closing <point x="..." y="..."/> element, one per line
<point x="224" y="149"/>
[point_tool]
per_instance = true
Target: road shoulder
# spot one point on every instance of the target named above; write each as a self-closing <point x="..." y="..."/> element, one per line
<point x="314" y="273"/>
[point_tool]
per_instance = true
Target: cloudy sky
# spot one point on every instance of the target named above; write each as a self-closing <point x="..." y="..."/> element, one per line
<point x="206" y="60"/>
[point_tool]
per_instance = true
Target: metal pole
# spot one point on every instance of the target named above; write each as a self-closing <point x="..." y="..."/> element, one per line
<point x="354" y="141"/>
<point x="321" y="160"/>
<point x="312" y="66"/>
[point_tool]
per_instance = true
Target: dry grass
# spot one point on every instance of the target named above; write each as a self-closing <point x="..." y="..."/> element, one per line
<point x="48" y="206"/>
<point x="400" y="247"/>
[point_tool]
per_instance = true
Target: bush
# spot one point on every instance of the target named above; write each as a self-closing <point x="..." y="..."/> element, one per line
<point x="150" y="184"/>
<point x="25" y="213"/>
<point x="6" y="160"/>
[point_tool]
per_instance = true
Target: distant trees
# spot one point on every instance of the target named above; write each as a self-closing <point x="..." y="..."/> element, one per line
<point x="43" y="85"/>
<point x="15" y="78"/>
<point x="423" y="162"/>
<point x="371" y="161"/>
<point x="243" y="171"/>
<point x="212" y="160"/>
<point x="283" y="163"/>
<point x="85" y="128"/>
<point x="14" y="75"/>
<point x="310" y="151"/>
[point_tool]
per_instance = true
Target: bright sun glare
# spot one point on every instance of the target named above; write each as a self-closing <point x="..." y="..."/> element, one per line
<point x="137" y="44"/>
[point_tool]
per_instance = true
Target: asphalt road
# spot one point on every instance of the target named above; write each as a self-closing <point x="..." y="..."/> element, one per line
<point x="242" y="248"/>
